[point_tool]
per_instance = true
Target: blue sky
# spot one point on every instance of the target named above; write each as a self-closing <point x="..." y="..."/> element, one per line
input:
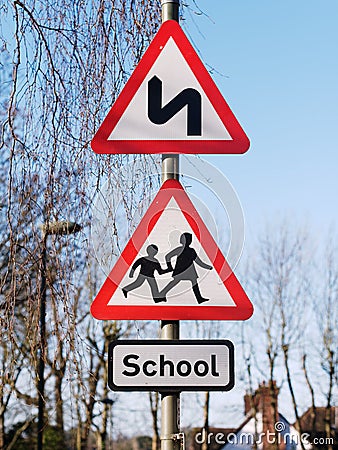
<point x="277" y="67"/>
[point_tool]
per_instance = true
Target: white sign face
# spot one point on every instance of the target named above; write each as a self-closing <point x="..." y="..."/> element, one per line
<point x="176" y="366"/>
<point x="166" y="235"/>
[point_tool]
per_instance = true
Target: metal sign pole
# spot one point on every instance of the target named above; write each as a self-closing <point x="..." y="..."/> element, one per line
<point x="170" y="329"/>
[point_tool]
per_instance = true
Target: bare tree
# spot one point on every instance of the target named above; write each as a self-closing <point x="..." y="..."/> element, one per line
<point x="281" y="284"/>
<point x="63" y="64"/>
<point x="154" y="404"/>
<point x="326" y="308"/>
<point x="263" y="285"/>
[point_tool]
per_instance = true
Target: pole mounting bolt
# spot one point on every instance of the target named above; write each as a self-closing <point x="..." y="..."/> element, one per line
<point x="176" y="437"/>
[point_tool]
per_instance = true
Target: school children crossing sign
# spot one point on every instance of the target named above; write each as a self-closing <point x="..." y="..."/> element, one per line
<point x="171" y="269"/>
<point x="170" y="104"/>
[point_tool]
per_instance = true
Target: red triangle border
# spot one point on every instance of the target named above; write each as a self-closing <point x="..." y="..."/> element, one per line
<point x="100" y="308"/>
<point x="240" y="142"/>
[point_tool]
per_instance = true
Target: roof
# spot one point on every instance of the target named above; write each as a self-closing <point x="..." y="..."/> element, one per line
<point x="317" y="417"/>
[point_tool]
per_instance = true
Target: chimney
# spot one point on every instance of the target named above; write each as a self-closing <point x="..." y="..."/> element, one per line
<point x="265" y="401"/>
<point x="248" y="403"/>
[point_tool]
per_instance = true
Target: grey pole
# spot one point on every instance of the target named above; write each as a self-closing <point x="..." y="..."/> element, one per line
<point x="170" y="329"/>
<point x="170" y="10"/>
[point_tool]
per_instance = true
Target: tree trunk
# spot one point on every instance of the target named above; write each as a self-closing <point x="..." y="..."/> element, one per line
<point x="205" y="443"/>
<point x="89" y="405"/>
<point x="103" y="432"/>
<point x="87" y="423"/>
<point x="285" y="349"/>
<point x="153" y="399"/>
<point x="105" y="413"/>
<point x="272" y="355"/>
<point x="78" y="430"/>
<point x="99" y="441"/>
<point x="59" y="404"/>
<point x="2" y="424"/>
<point x="273" y="396"/>
<point x="313" y="403"/>
<point x="328" y="434"/>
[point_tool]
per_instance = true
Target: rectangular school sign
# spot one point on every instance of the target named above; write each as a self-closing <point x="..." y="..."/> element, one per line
<point x="157" y="365"/>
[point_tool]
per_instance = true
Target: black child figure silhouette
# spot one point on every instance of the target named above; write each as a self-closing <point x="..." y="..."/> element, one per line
<point x="184" y="267"/>
<point x="148" y="266"/>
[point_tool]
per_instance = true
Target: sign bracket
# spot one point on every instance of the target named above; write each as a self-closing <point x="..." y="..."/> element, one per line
<point x="175" y="438"/>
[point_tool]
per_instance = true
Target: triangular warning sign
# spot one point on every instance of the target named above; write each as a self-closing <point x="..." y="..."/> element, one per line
<point x="170" y="104"/>
<point x="171" y="269"/>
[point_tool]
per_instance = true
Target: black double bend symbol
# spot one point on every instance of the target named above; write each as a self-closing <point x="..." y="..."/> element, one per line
<point x="189" y="97"/>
